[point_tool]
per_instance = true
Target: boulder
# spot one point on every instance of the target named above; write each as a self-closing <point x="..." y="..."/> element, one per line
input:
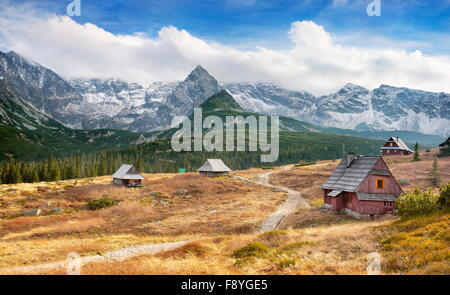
<point x="278" y="190"/>
<point x="181" y="191"/>
<point x="34" y="212"/>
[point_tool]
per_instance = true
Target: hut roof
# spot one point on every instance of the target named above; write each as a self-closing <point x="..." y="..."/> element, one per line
<point x="446" y="143"/>
<point x="214" y="165"/>
<point x="401" y="145"/>
<point x="349" y="178"/>
<point x="127" y="172"/>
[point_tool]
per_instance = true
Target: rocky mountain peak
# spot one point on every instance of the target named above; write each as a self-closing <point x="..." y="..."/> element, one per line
<point x="350" y="87"/>
<point x="199" y="73"/>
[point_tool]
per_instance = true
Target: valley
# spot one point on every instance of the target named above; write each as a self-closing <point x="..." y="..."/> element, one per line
<point x="220" y="218"/>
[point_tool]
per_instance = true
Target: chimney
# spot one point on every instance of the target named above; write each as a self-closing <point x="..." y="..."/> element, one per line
<point x="350" y="158"/>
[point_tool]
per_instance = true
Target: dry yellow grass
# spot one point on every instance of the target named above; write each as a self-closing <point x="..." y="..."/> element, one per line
<point x="220" y="215"/>
<point x="417" y="173"/>
<point x="155" y="213"/>
<point x="306" y="179"/>
<point x="337" y="249"/>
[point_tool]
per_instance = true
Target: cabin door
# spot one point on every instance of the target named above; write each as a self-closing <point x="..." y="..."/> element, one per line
<point x="346" y="200"/>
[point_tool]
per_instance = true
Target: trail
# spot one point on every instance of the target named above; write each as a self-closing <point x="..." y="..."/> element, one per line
<point x="293" y="202"/>
<point x="111" y="256"/>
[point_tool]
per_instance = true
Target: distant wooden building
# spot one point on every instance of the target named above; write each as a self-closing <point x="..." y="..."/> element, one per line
<point x="445" y="144"/>
<point x="214" y="167"/>
<point x="127" y="175"/>
<point x="395" y="146"/>
<point x="361" y="187"/>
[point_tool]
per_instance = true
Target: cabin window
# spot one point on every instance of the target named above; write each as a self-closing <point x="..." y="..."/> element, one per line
<point x="387" y="151"/>
<point x="388" y="204"/>
<point x="391" y="144"/>
<point x="380" y="183"/>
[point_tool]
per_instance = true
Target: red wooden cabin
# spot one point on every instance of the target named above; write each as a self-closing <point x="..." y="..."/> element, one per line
<point x="395" y="146"/>
<point x="361" y="187"/>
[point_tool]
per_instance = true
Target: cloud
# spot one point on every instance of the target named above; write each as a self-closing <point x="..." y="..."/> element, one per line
<point x="316" y="61"/>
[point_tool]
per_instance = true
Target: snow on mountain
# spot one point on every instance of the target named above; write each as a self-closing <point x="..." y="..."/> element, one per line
<point x="384" y="108"/>
<point x="41" y="87"/>
<point x="111" y="103"/>
<point x="271" y="99"/>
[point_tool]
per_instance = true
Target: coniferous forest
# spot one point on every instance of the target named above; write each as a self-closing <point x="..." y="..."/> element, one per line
<point x="157" y="156"/>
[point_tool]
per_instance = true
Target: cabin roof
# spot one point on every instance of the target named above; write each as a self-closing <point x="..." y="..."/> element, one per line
<point x="214" y="165"/>
<point x="446" y="143"/>
<point x="124" y="173"/>
<point x="401" y="145"/>
<point x="349" y="178"/>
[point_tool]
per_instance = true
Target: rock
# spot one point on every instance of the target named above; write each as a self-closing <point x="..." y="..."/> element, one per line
<point x="34" y="212"/>
<point x="181" y="191"/>
<point x="48" y="204"/>
<point x="278" y="190"/>
<point x="213" y="212"/>
<point x="57" y="210"/>
<point x="188" y="197"/>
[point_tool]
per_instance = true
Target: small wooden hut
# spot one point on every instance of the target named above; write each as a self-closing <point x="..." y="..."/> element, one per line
<point x="445" y="144"/>
<point x="361" y="187"/>
<point x="127" y="175"/>
<point x="395" y="146"/>
<point x="213" y="168"/>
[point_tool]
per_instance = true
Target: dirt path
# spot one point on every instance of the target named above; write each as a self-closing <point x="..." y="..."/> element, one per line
<point x="111" y="256"/>
<point x="292" y="203"/>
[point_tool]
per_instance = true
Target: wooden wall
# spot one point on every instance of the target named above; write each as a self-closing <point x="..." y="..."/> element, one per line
<point x="369" y="185"/>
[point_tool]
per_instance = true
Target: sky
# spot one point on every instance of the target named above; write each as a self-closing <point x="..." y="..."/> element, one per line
<point x="312" y="45"/>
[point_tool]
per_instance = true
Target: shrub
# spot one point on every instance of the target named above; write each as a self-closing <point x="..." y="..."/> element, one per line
<point x="286" y="262"/>
<point x="101" y="203"/>
<point x="254" y="249"/>
<point x="292" y="247"/>
<point x="444" y="196"/>
<point x="273" y="234"/>
<point x="417" y="202"/>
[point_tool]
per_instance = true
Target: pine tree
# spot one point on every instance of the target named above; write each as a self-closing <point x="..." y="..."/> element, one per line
<point x="35" y="175"/>
<point x="416" y="152"/>
<point x="435" y="175"/>
<point x="16" y="175"/>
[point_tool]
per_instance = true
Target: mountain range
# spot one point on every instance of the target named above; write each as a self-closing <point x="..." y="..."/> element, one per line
<point x="27" y="133"/>
<point x="114" y="104"/>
